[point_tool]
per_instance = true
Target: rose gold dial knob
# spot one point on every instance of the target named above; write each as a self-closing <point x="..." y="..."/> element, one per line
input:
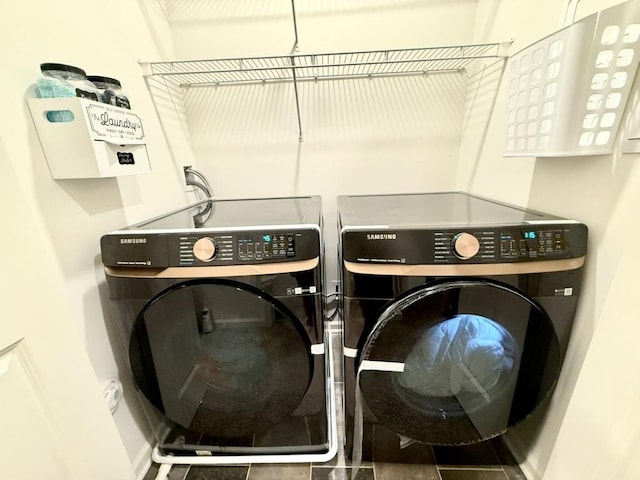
<point x="204" y="249"/>
<point x="465" y="245"/>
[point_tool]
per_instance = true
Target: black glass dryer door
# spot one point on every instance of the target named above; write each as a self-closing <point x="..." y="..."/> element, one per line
<point x="220" y="357"/>
<point x="471" y="358"/>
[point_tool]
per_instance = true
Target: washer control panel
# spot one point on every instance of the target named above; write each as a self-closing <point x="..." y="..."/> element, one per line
<point x="506" y="244"/>
<point x="201" y="248"/>
<point x="251" y="247"/>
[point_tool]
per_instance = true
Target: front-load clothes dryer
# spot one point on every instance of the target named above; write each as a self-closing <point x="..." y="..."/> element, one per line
<point x="220" y="306"/>
<point x="457" y="313"/>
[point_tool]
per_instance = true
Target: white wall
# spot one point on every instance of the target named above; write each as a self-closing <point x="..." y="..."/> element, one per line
<point x="592" y="416"/>
<point x="54" y="421"/>
<point x="105" y="39"/>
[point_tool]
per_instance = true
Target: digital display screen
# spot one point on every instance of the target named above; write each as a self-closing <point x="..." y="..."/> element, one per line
<point x="530" y="235"/>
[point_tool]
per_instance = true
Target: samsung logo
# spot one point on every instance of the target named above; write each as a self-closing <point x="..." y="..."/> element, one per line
<point x="381" y="236"/>
<point x="129" y="241"/>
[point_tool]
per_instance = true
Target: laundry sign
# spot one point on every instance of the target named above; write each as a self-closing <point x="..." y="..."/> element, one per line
<point x="113" y="124"/>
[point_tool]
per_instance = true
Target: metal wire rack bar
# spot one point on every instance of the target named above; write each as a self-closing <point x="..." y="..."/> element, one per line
<point x="297" y="68"/>
<point x="230" y="71"/>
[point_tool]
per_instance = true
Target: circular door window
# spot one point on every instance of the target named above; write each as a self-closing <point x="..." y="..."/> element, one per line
<point x="220" y="357"/>
<point x="458" y="362"/>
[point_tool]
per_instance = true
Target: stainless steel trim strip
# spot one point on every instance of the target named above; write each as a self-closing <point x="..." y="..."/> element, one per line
<point x="467" y="270"/>
<point x="214" y="271"/>
<point x="156" y="231"/>
<point x="560" y="221"/>
<point x="363" y="228"/>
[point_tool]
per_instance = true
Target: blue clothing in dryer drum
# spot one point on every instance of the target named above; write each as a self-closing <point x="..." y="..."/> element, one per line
<point x="466" y="353"/>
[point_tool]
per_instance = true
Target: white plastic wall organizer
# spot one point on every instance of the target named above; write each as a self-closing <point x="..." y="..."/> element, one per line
<point x="568" y="91"/>
<point x="86" y="139"/>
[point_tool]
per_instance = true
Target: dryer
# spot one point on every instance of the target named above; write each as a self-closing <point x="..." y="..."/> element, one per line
<point x="220" y="307"/>
<point x="457" y="314"/>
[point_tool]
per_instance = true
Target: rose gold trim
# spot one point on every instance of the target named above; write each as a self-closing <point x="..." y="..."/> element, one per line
<point x="217" y="271"/>
<point x="462" y="270"/>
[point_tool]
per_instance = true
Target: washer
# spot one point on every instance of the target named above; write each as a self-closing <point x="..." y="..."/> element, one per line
<point x="457" y="314"/>
<point x="220" y="306"/>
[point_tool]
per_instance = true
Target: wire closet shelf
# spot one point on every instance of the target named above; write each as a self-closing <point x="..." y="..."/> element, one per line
<point x="326" y="66"/>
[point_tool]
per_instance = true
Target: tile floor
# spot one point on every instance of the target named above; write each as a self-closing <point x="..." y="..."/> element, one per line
<point x="340" y="469"/>
<point x="487" y="461"/>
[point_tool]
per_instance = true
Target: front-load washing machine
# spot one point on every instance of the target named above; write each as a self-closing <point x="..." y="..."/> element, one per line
<point x="220" y="307"/>
<point x="457" y="313"/>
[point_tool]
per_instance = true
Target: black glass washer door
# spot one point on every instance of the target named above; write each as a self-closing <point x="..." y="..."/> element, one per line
<point x="220" y="357"/>
<point x="476" y="357"/>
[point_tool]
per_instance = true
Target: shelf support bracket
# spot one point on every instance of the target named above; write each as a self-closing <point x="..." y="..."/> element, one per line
<point x="295" y="25"/>
<point x="295" y="90"/>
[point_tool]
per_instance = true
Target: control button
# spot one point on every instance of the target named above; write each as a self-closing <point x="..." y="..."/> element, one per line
<point x="204" y="249"/>
<point x="465" y="245"/>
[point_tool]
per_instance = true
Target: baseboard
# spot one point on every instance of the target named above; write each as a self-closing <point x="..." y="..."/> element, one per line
<point x="529" y="471"/>
<point x="528" y="466"/>
<point x="142" y="462"/>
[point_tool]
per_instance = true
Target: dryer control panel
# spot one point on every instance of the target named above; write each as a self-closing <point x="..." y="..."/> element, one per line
<point x="203" y="248"/>
<point x="502" y="245"/>
<point x="506" y="244"/>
